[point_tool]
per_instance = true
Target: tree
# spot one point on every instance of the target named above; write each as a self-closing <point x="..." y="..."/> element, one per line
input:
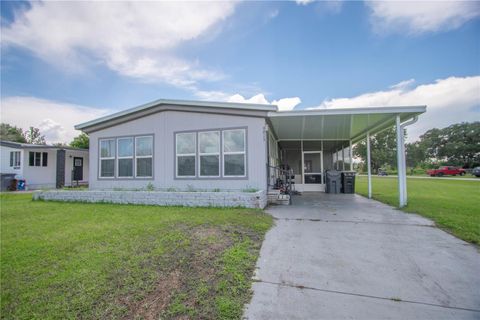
<point x="11" y="133"/>
<point x="33" y="136"/>
<point x="81" y="141"/>
<point x="458" y="144"/>
<point x="383" y="149"/>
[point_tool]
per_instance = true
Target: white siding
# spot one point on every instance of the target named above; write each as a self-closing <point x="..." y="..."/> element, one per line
<point x="40" y="177"/>
<point x="5" y="161"/>
<point x="69" y="155"/>
<point x="163" y="125"/>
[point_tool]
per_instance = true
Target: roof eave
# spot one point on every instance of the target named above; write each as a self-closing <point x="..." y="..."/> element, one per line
<point x="184" y="103"/>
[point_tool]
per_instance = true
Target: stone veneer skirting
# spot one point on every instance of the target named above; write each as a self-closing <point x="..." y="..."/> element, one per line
<point x="190" y="199"/>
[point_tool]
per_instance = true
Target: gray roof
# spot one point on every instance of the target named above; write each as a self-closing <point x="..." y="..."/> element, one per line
<point x="213" y="106"/>
<point x="329" y="123"/>
<point x="19" y="145"/>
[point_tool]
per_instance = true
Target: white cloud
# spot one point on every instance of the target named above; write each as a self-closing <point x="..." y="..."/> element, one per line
<point x="304" y="2"/>
<point x="54" y="119"/>
<point x="421" y="17"/>
<point x="259" y="99"/>
<point x="135" y="39"/>
<point x="448" y="101"/>
<point x="285" y="104"/>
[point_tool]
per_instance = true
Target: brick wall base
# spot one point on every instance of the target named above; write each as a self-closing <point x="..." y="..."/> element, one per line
<point x="190" y="199"/>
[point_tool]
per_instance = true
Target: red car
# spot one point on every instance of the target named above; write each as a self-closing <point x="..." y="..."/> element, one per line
<point x="446" y="171"/>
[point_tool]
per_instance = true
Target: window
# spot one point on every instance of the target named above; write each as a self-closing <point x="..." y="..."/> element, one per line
<point x="125" y="157"/>
<point x="144" y="156"/>
<point x="234" y="155"/>
<point x="37" y="159"/>
<point x="107" y="158"/>
<point x="209" y="153"/>
<point x="15" y="159"/>
<point x="185" y="145"/>
<point x="44" y="159"/>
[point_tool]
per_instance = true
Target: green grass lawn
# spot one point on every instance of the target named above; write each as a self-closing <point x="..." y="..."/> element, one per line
<point x="454" y="205"/>
<point x="105" y="261"/>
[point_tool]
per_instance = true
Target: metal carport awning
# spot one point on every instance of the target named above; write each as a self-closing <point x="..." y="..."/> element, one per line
<point x="352" y="125"/>
<point x="338" y="124"/>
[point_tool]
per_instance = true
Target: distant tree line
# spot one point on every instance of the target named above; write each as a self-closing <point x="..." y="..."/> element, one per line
<point x="34" y="136"/>
<point x="455" y="145"/>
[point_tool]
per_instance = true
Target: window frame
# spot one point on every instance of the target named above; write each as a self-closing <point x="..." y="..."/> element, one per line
<point x="41" y="156"/>
<point x="200" y="154"/>
<point x="44" y="159"/>
<point x="118" y="158"/>
<point x="100" y="158"/>
<point x="15" y="159"/>
<point x="244" y="153"/>
<point x="194" y="154"/>
<point x="142" y="157"/>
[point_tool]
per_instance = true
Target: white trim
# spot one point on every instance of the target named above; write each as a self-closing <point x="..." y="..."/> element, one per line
<point x="369" y="167"/>
<point x="349" y="111"/>
<point x="244" y="152"/>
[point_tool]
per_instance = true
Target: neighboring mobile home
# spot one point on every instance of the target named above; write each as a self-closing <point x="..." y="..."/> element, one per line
<point x="44" y="166"/>
<point x="229" y="146"/>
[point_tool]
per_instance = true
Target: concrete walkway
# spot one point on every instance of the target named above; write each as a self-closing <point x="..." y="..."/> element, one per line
<point x="347" y="257"/>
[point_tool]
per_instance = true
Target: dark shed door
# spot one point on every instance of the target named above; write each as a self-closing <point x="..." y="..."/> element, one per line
<point x="77" y="169"/>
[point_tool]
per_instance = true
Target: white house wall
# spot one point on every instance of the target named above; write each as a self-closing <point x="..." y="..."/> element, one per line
<point x="69" y="155"/>
<point x="40" y="177"/>
<point x="163" y="126"/>
<point x="5" y="160"/>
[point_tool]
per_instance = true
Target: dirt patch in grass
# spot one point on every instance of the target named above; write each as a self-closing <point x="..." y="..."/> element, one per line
<point x="187" y="285"/>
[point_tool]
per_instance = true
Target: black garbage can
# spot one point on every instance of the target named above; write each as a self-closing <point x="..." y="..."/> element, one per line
<point x="333" y="183"/>
<point x="348" y="182"/>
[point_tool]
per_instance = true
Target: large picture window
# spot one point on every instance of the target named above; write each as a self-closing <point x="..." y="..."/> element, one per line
<point x="107" y="158"/>
<point x="234" y="153"/>
<point x="125" y="157"/>
<point x="144" y="157"/>
<point x="185" y="146"/>
<point x="209" y="153"/>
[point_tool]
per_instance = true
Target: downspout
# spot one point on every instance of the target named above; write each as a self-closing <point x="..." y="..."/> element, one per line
<point x="401" y="161"/>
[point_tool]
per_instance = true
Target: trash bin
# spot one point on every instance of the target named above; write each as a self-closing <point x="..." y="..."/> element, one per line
<point x="21" y="184"/>
<point x="6" y="181"/>
<point x="333" y="182"/>
<point x="348" y="182"/>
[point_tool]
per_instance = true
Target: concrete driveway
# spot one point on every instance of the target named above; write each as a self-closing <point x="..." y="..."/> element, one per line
<point x="347" y="257"/>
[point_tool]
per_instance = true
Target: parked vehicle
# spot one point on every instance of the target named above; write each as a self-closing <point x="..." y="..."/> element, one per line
<point x="446" y="171"/>
<point x="476" y="172"/>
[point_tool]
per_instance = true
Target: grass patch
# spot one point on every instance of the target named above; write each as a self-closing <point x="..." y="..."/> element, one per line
<point x="452" y="204"/>
<point x="106" y="261"/>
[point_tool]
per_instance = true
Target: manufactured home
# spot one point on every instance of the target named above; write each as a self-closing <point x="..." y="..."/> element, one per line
<point x="173" y="144"/>
<point x="44" y="166"/>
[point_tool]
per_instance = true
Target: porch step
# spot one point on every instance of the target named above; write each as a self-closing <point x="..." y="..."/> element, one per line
<point x="274" y="197"/>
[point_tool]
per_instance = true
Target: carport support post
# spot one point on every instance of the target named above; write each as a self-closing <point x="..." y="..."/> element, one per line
<point x="343" y="158"/>
<point x="350" y="155"/>
<point x="401" y="176"/>
<point x="369" y="170"/>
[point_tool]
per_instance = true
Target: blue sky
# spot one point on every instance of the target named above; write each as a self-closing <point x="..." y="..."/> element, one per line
<point x="60" y="60"/>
